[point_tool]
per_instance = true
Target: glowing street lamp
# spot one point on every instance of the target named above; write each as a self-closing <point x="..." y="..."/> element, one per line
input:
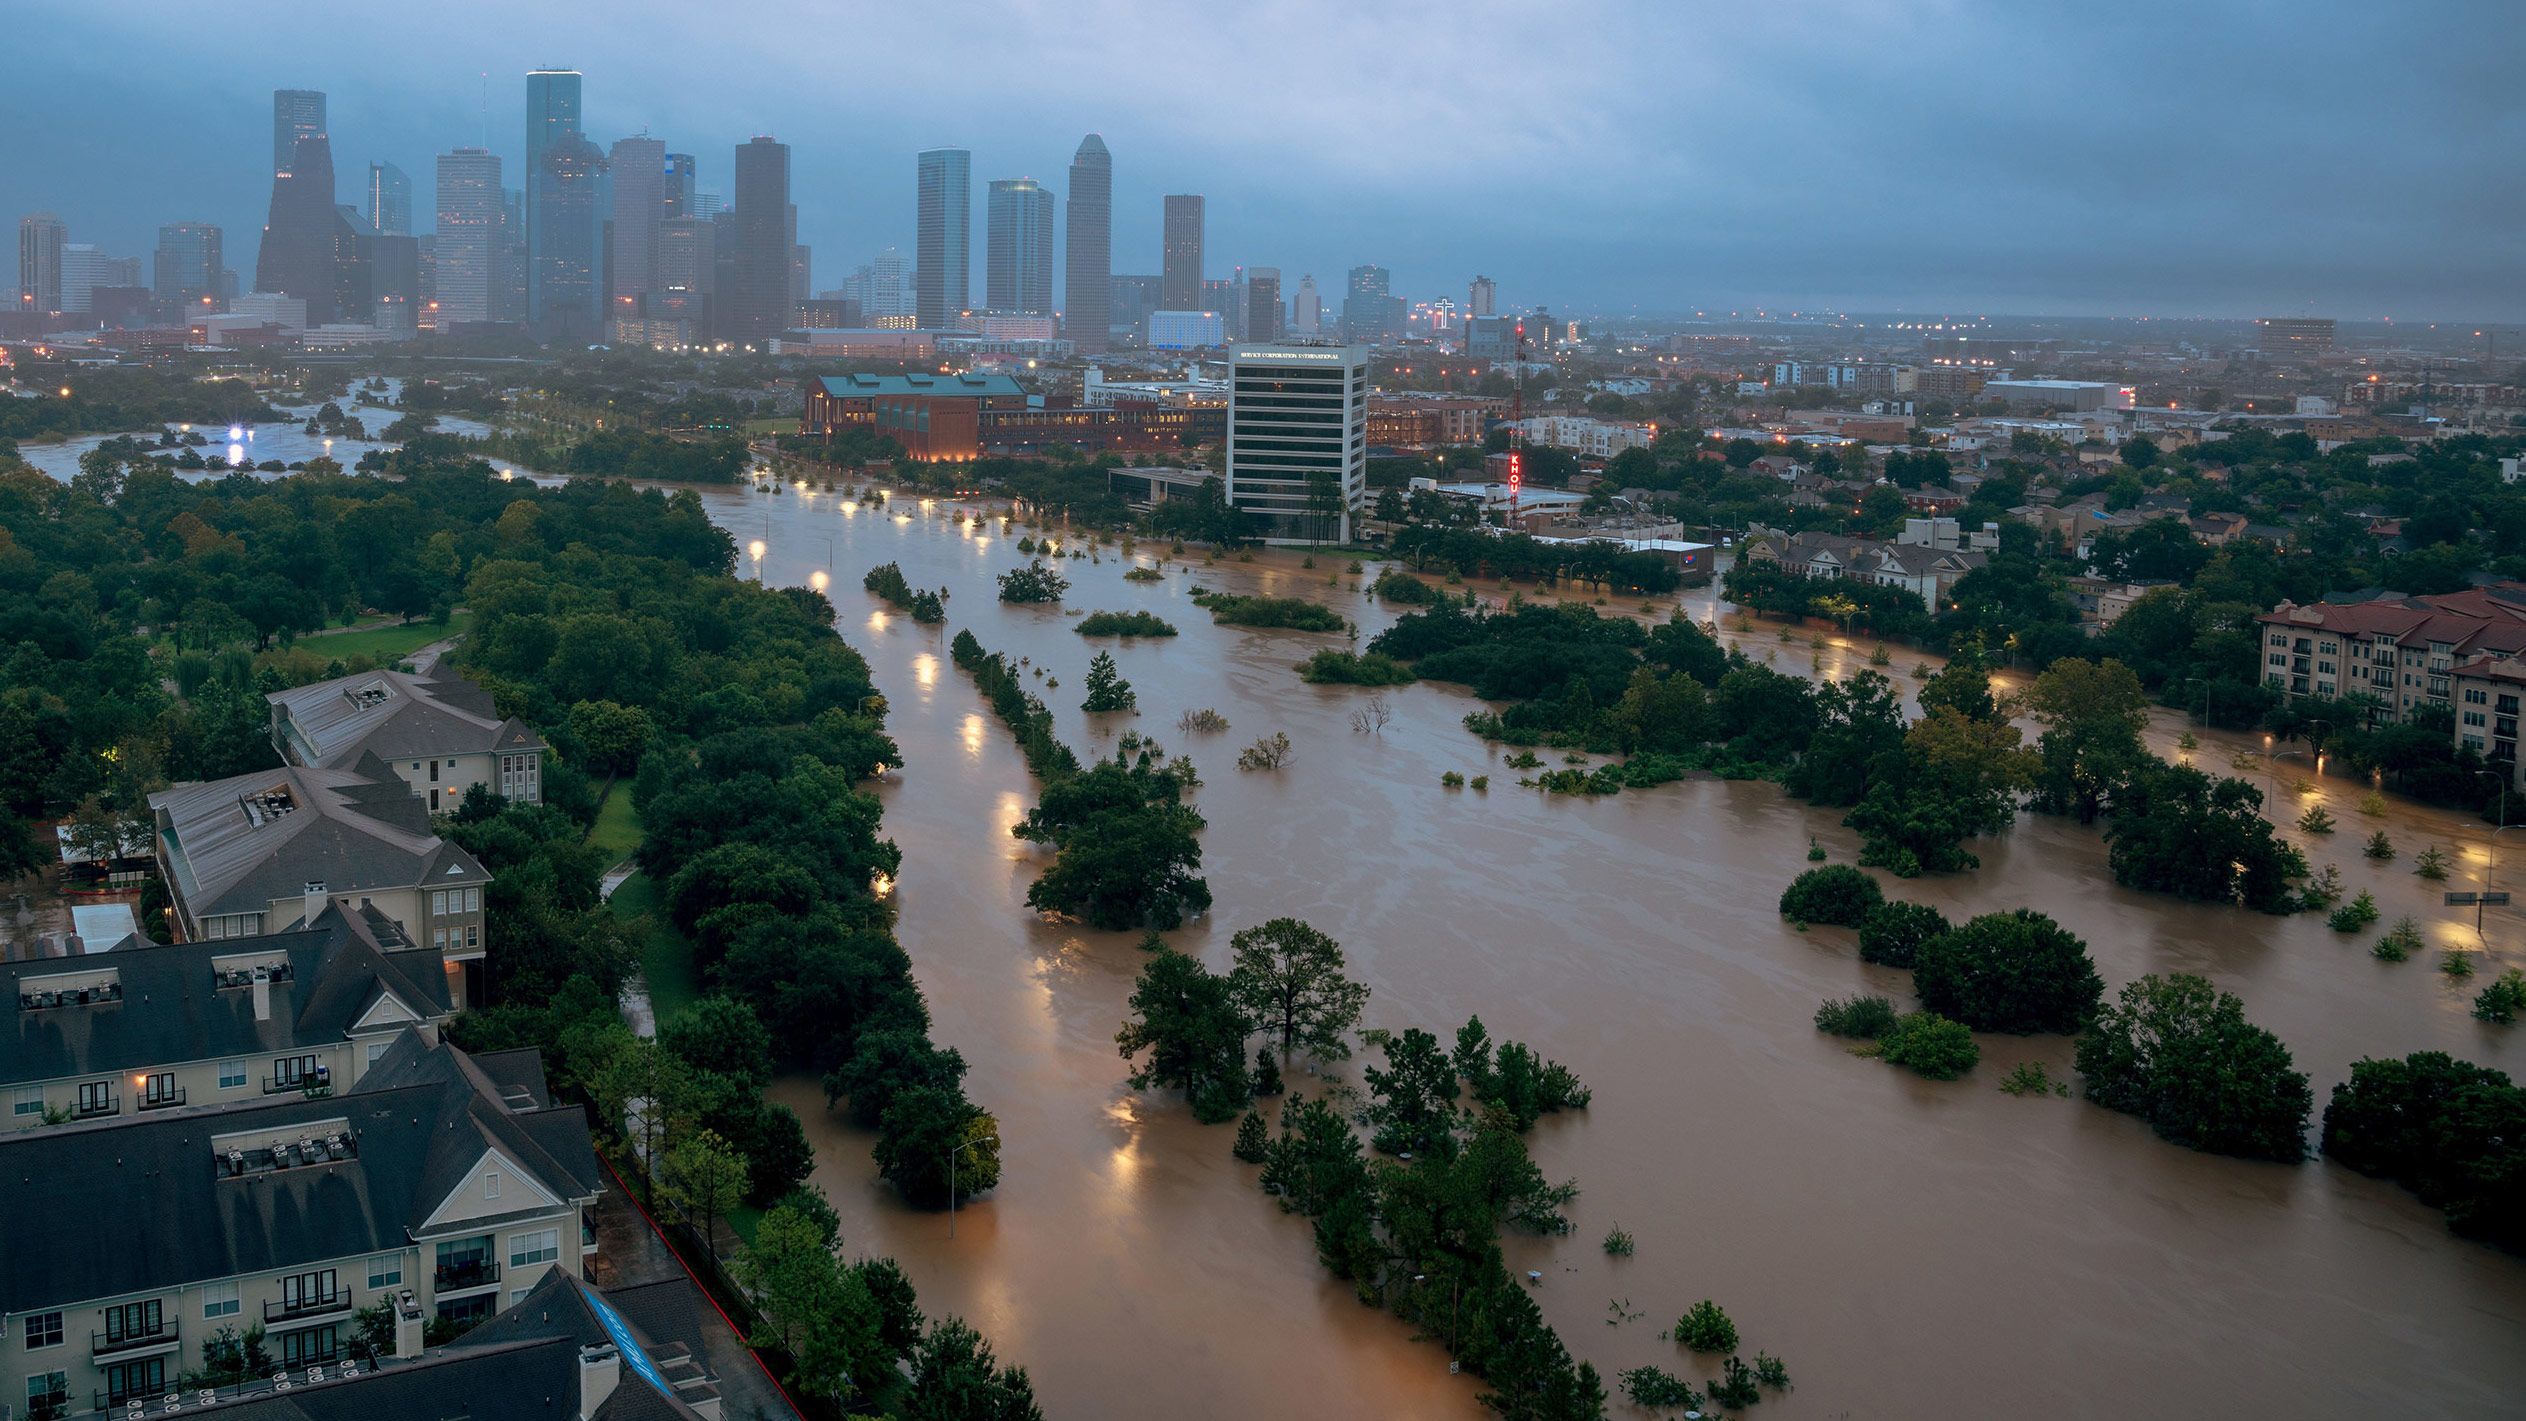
<point x="756" y="550"/>
<point x="819" y="579"/>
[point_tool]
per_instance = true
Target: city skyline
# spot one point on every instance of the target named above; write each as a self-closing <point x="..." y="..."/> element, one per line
<point x="1985" y="187"/>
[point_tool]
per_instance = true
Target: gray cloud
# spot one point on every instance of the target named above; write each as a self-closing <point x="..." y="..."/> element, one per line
<point x="2220" y="159"/>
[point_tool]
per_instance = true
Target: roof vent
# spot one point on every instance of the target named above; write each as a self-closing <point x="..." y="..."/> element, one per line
<point x="269" y="805"/>
<point x="368" y="697"/>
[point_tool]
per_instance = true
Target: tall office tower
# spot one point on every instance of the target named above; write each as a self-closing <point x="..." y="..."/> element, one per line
<point x="469" y="222"/>
<point x="879" y="288"/>
<point x="1368" y="312"/>
<point x="1298" y="438"/>
<point x="1087" y="288"/>
<point x="685" y="256"/>
<point x="354" y="257"/>
<point x="707" y="204"/>
<point x="1134" y="297"/>
<point x="82" y="272"/>
<point x="942" y="247"/>
<point x="1306" y="309"/>
<point x="675" y="186"/>
<point x="1018" y="243"/>
<point x="389" y="201"/>
<point x="297" y="255"/>
<point x="801" y="261"/>
<point x="508" y="261"/>
<point x="1263" y="303"/>
<point x="1180" y="269"/>
<point x="552" y="115"/>
<point x="1482" y="298"/>
<point x="394" y="281"/>
<point x="186" y="266"/>
<point x="565" y="272"/>
<point x="756" y="302"/>
<point x="296" y="114"/>
<point x="638" y="168"/>
<point x="41" y="238"/>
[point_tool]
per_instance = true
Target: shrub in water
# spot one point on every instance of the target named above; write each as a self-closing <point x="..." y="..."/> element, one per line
<point x="1705" y="1328"/>
<point x="2500" y="1002"/>
<point x="1931" y="1045"/>
<point x="2355" y="914"/>
<point x="1868" y="1017"/>
<point x="1892" y="933"/>
<point x="1838" y="894"/>
<point x="2378" y="846"/>
<point x="2399" y="943"/>
<point x="2016" y="972"/>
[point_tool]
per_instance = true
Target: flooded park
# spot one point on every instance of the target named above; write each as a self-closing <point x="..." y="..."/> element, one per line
<point x="1909" y="1248"/>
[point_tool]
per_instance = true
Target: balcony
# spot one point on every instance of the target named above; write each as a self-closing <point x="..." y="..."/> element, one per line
<point x="116" y="1398"/>
<point x="97" y="1107"/>
<point x="307" y="1307"/>
<point x="115" y="1342"/>
<point x="465" y="1275"/>
<point x="316" y="1080"/>
<point x="164" y="1099"/>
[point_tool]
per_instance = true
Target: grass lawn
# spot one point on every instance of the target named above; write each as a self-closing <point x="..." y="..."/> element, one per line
<point x="387" y="642"/>
<point x="617" y="829"/>
<point x="666" y="956"/>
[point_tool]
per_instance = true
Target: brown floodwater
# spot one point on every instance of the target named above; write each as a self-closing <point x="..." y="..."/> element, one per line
<point x="1908" y="1248"/>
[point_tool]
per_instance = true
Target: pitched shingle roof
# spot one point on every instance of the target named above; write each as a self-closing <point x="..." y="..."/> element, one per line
<point x="83" y="1195"/>
<point x="172" y="1010"/>
<point x="238" y="844"/>
<point x="331" y="724"/>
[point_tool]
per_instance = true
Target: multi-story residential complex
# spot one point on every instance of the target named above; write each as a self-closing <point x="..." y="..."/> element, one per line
<point x="143" y="1027"/>
<point x="1418" y="421"/>
<point x="440" y="733"/>
<point x="1927" y="572"/>
<point x="2401" y="653"/>
<point x="1298" y="438"/>
<point x="256" y="853"/>
<point x="1587" y="435"/>
<point x="441" y="1185"/>
<point x="2487" y="690"/>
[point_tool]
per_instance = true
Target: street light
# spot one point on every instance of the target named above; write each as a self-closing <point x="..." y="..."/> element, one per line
<point x="819" y="579"/>
<point x="755" y="550"/>
<point x="994" y="1142"/>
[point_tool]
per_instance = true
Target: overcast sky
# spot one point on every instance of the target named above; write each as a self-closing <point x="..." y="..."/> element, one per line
<point x="2318" y="157"/>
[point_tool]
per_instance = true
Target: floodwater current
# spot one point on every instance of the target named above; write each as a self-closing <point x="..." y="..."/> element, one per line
<point x="1909" y="1248"/>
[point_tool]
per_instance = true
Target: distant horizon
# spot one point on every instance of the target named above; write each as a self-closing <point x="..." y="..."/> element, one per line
<point x="2345" y="166"/>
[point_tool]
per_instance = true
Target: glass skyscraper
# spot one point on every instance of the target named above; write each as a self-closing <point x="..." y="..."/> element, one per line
<point x="389" y="201"/>
<point x="296" y="114"/>
<point x="470" y="221"/>
<point x="942" y="253"/>
<point x="1087" y="289"/>
<point x="553" y="253"/>
<point x="187" y="264"/>
<point x="757" y="303"/>
<point x="1180" y="269"/>
<point x="1019" y="248"/>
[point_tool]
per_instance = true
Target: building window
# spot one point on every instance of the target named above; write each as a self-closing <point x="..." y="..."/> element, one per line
<point x="288" y="1071"/>
<point x="219" y="1300"/>
<point x="96" y="1098"/>
<point x="438" y="903"/>
<point x="473" y="900"/>
<point x="160" y="1090"/>
<point x="491" y="1184"/>
<point x="473" y="937"/>
<point x="232" y="1074"/>
<point x="438" y="939"/>
<point x="43" y="1329"/>
<point x="135" y="1321"/>
<point x="541" y="1246"/>
<point x="47" y="1394"/>
<point x="310" y="1345"/>
<point x="29" y="1100"/>
<point x="129" y="1381"/>
<point x="386" y="1271"/>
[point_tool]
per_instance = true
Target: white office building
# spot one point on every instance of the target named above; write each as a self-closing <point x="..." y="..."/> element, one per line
<point x="1298" y="439"/>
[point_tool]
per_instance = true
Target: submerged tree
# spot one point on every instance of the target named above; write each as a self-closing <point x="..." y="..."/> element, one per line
<point x="1289" y="981"/>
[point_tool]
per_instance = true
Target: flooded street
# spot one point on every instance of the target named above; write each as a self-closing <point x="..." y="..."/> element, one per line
<point x="1908" y="1248"/>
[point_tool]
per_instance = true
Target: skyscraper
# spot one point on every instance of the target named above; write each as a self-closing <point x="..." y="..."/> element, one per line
<point x="389" y="201"/>
<point x="675" y="186"/>
<point x="1482" y="298"/>
<point x="187" y="263"/>
<point x="469" y="225"/>
<point x="1087" y="288"/>
<point x="638" y="167"/>
<point x="942" y="248"/>
<point x="297" y="255"/>
<point x="757" y="304"/>
<point x="1369" y="313"/>
<point x="41" y="238"/>
<point x="552" y="115"/>
<point x="1306" y="315"/>
<point x="1018" y="243"/>
<point x="296" y="114"/>
<point x="1180" y="270"/>
<point x="565" y="272"/>
<point x="1263" y="303"/>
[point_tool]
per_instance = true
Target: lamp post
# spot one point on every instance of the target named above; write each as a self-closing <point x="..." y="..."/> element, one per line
<point x="755" y="550"/>
<point x="994" y="1141"/>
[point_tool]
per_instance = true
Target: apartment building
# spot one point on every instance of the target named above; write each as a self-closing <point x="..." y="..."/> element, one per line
<point x="2487" y="691"/>
<point x="260" y="852"/>
<point x="1927" y="572"/>
<point x="439" y="733"/>
<point x="1586" y="435"/>
<point x="144" y="1028"/>
<point x="2400" y="652"/>
<point x="441" y="1186"/>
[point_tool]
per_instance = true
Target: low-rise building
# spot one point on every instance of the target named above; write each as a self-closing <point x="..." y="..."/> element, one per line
<point x="441" y="733"/>
<point x="260" y="852"/>
<point x="1928" y="573"/>
<point x="443" y="1183"/>
<point x="146" y="1027"/>
<point x="2400" y="652"/>
<point x="1586" y="435"/>
<point x="2487" y="694"/>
